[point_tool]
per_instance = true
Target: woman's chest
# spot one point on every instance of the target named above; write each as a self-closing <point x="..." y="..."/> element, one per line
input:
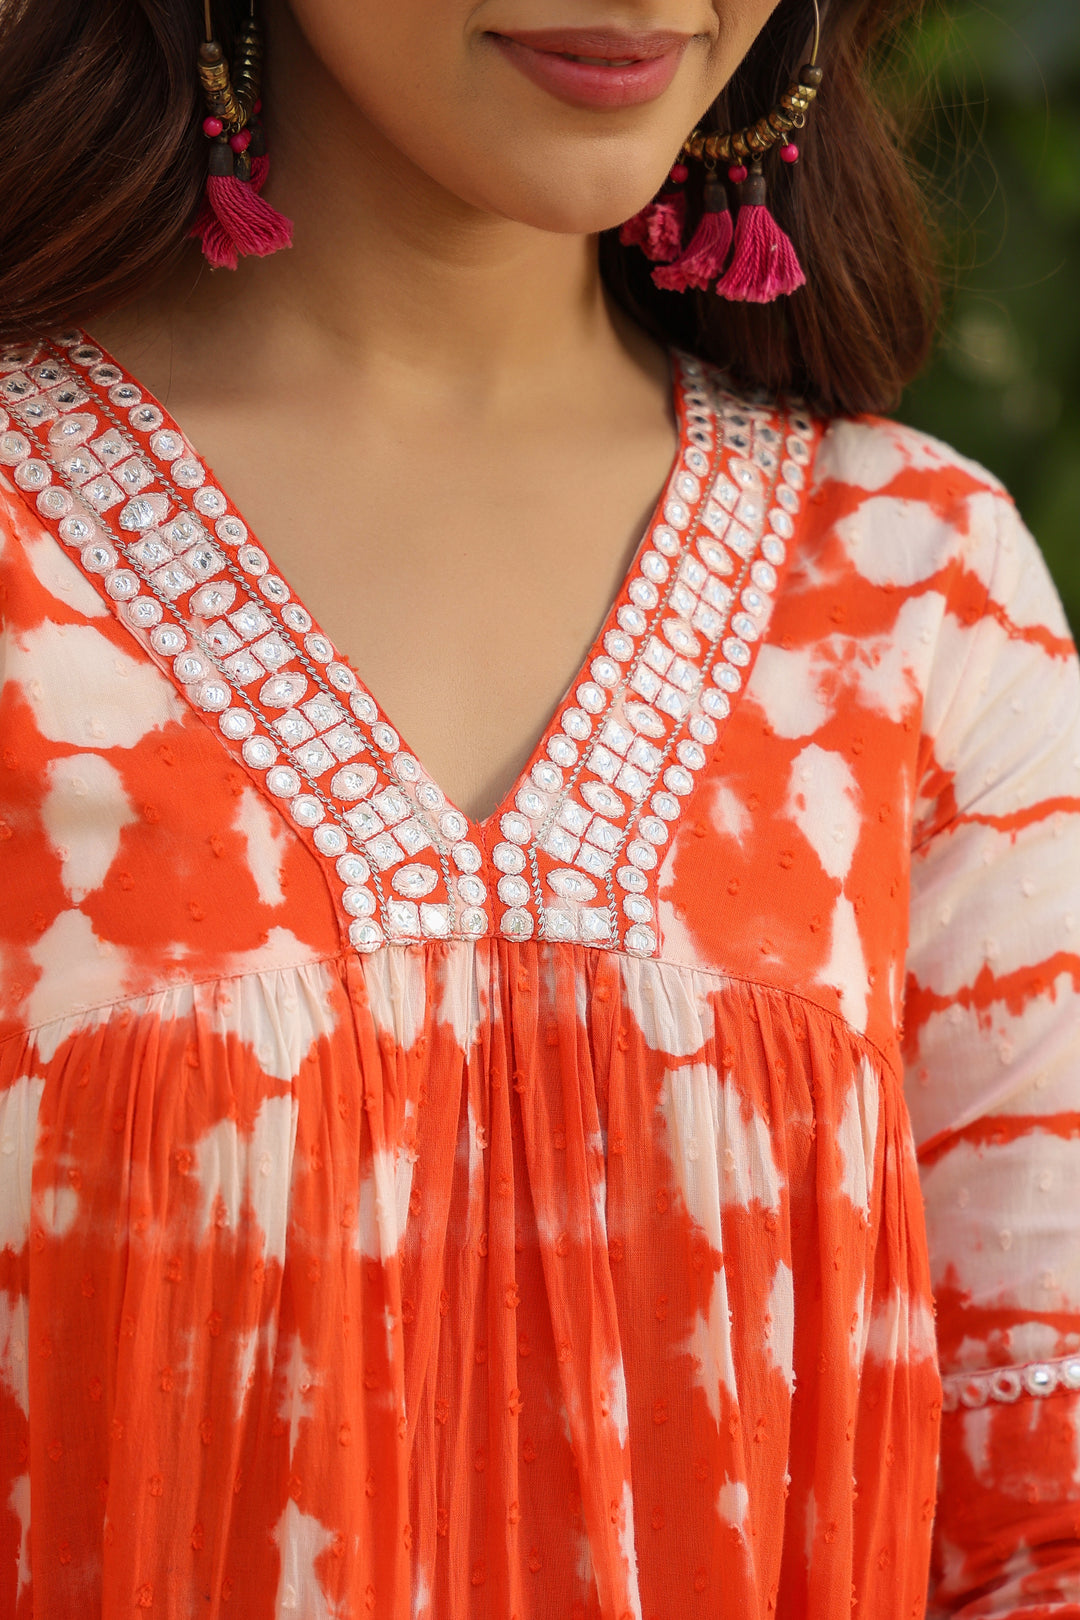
<point x="466" y="587"/>
<point x="726" y="782"/>
<point x="147" y="849"/>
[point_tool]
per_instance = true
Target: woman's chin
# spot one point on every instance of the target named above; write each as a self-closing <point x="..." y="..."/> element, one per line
<point x="559" y="194"/>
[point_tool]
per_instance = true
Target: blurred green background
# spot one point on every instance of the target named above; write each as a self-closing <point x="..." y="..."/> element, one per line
<point x="999" y="137"/>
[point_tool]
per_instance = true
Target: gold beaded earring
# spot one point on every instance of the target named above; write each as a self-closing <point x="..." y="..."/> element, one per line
<point x="235" y="219"/>
<point x="763" y="264"/>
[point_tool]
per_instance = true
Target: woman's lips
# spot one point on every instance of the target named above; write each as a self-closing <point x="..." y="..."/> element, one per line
<point x="620" y="70"/>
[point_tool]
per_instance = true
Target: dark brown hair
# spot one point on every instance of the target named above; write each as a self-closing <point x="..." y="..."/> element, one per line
<point x="102" y="165"/>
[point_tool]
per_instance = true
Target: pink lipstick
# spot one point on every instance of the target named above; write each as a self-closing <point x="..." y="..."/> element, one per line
<point x="596" y="67"/>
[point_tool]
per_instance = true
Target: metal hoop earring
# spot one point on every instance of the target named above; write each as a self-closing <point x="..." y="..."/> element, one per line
<point x="763" y="263"/>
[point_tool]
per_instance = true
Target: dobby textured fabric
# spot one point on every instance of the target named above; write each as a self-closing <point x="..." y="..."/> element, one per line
<point x="659" y="1199"/>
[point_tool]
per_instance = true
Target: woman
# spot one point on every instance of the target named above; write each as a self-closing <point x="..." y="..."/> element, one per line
<point x="482" y="1177"/>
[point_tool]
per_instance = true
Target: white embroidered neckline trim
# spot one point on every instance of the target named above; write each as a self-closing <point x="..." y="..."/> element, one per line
<point x="577" y="857"/>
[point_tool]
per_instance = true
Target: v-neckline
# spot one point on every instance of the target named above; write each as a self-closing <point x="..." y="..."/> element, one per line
<point x="612" y="771"/>
<point x="479" y="828"/>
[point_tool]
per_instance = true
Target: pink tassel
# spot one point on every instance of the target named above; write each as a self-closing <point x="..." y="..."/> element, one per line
<point x="663" y="235"/>
<point x="657" y="228"/>
<point x="633" y="231"/>
<point x="704" y="257"/>
<point x="246" y="217"/>
<point x="765" y="265"/>
<point x="234" y="219"/>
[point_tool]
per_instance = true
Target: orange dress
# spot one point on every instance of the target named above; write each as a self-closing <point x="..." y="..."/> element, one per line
<point x="538" y="1219"/>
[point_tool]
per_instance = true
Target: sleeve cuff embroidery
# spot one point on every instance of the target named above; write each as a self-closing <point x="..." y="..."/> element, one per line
<point x="1007" y="1384"/>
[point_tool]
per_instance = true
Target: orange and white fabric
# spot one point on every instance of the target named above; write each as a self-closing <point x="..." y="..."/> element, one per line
<point x="621" y="1207"/>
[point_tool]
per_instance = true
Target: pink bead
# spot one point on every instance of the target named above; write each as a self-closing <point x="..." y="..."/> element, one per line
<point x="257" y="109"/>
<point x="736" y="174"/>
<point x="789" y="153"/>
<point x="241" y="142"/>
<point x="212" y="127"/>
<point x="680" y="173"/>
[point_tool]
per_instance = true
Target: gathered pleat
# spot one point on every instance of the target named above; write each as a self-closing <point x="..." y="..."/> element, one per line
<point x="465" y="1279"/>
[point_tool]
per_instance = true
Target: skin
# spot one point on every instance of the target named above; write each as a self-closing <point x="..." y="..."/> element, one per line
<point x="428" y="411"/>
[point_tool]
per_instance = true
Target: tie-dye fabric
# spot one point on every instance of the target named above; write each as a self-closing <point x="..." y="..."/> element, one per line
<point x="405" y="1216"/>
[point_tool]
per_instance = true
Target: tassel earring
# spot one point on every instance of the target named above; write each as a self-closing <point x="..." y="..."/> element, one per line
<point x="657" y="228"/>
<point x="234" y="219"/>
<point x="708" y="248"/>
<point x="764" y="264"/>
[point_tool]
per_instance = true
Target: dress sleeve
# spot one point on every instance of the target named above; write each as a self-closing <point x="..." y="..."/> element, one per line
<point x="992" y="1046"/>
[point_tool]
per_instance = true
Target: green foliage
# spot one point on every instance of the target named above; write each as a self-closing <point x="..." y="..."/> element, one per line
<point x="1001" y="144"/>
